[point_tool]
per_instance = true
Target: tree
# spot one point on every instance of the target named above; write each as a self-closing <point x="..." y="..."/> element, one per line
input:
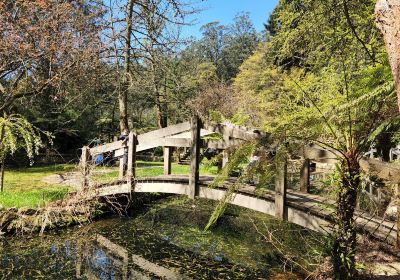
<point x="323" y="78"/>
<point x="17" y="133"/>
<point x="138" y="38"/>
<point x="242" y="40"/>
<point x="387" y="19"/>
<point x="42" y="44"/>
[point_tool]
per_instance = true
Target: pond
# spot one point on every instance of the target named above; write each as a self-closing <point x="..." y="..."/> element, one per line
<point x="162" y="240"/>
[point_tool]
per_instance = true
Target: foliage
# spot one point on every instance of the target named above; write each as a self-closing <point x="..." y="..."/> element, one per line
<point x="323" y="77"/>
<point x="16" y="132"/>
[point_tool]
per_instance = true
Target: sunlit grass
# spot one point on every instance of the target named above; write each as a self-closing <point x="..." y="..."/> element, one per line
<point x="24" y="187"/>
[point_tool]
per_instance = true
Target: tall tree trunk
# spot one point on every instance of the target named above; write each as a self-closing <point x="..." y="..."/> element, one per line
<point x="388" y="21"/>
<point x="2" y="175"/>
<point x="3" y="158"/>
<point x="345" y="240"/>
<point x="123" y="93"/>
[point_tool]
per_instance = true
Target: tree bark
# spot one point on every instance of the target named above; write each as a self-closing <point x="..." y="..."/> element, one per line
<point x="123" y="93"/>
<point x="344" y="247"/>
<point x="2" y="175"/>
<point x="388" y="21"/>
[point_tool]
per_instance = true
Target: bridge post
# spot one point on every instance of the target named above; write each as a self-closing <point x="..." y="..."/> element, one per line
<point x="85" y="167"/>
<point x="305" y="176"/>
<point x="167" y="160"/>
<point x="132" y="141"/>
<point x="194" y="187"/>
<point x="121" y="168"/>
<point x="280" y="191"/>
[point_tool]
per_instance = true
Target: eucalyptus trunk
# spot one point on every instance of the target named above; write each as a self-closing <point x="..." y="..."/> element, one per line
<point x="2" y="175"/>
<point x="123" y="93"/>
<point x="344" y="248"/>
<point x="387" y="14"/>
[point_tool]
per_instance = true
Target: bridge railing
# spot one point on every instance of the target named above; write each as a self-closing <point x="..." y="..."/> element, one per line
<point x="125" y="150"/>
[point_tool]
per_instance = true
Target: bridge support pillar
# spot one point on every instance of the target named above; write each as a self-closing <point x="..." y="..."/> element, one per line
<point x="305" y="176"/>
<point x="194" y="188"/>
<point x="85" y="167"/>
<point x="131" y="168"/>
<point x="280" y="191"/>
<point x="167" y="160"/>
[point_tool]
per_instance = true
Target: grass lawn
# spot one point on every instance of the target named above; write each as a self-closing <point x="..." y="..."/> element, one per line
<point x="150" y="169"/>
<point x="25" y="187"/>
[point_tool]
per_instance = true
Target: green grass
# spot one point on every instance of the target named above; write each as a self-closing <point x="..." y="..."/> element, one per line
<point x="151" y="169"/>
<point x="24" y="187"/>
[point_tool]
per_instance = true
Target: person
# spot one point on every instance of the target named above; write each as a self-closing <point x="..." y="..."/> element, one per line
<point x="100" y="157"/>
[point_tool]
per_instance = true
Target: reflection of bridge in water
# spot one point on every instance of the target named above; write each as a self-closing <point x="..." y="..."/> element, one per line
<point x="124" y="265"/>
<point x="307" y="210"/>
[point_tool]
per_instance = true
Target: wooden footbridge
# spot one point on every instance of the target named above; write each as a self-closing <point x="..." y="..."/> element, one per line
<point x="299" y="207"/>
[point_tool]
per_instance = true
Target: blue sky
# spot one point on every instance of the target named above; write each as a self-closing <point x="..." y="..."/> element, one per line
<point x="225" y="10"/>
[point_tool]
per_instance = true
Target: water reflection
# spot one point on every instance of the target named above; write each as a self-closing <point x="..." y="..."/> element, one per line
<point x="108" y="250"/>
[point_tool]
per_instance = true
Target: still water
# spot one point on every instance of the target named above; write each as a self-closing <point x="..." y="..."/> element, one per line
<point x="163" y="240"/>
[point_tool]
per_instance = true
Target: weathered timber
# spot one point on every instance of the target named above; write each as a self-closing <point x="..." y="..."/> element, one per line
<point x="195" y="157"/>
<point x="122" y="168"/>
<point x="107" y="148"/>
<point x="388" y="172"/>
<point x="223" y="144"/>
<point x="131" y="170"/>
<point x="167" y="160"/>
<point x="85" y="167"/>
<point x="305" y="176"/>
<point x="164" y="132"/>
<point x="280" y="191"/>
<point x="233" y="131"/>
<point x="162" y="142"/>
<point x="318" y="154"/>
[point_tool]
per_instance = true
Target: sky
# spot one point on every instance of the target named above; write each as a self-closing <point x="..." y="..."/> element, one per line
<point x="225" y="10"/>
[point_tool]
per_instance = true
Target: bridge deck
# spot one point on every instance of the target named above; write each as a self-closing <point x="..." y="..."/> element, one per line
<point x="308" y="210"/>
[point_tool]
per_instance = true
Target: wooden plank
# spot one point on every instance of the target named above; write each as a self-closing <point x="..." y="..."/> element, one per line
<point x="305" y="176"/>
<point x="163" y="132"/>
<point x="121" y="173"/>
<point x="233" y="131"/>
<point x="119" y="153"/>
<point x="280" y="191"/>
<point x="167" y="160"/>
<point x="107" y="148"/>
<point x="223" y="144"/>
<point x="195" y="158"/>
<point x="163" y="142"/>
<point x="318" y="154"/>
